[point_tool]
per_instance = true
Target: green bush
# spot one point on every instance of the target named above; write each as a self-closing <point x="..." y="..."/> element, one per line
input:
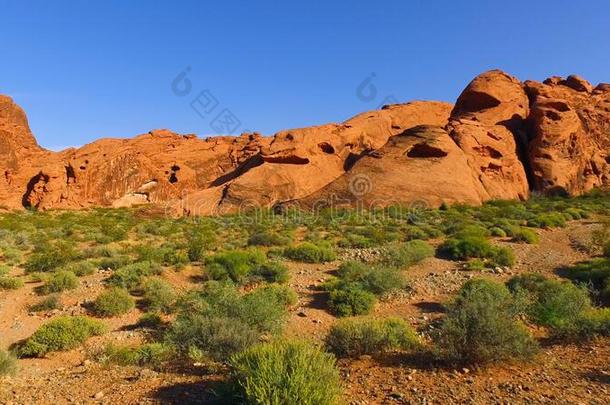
<point x="468" y="247"/>
<point x="198" y="241"/>
<point x="63" y="333"/>
<point x="308" y="252"/>
<point x="49" y="257"/>
<point x="274" y="272"/>
<point x="113" y="302"/>
<point x="158" y="295"/>
<point x="269" y="239"/>
<point x="146" y="355"/>
<point x="8" y="363"/>
<point x="150" y="320"/>
<point x="46" y="304"/>
<point x="285" y="372"/>
<point x="350" y="299"/>
<point x="596" y="273"/>
<point x="481" y="326"/>
<point x="406" y="254"/>
<point x="130" y="276"/>
<point x="497" y="231"/>
<point x="235" y="265"/>
<point x="82" y="268"/>
<point x="525" y="235"/>
<point x="548" y="220"/>
<point x="10" y="283"/>
<point x="378" y="280"/>
<point x="60" y="281"/>
<point x="218" y="321"/>
<point x="355" y="337"/>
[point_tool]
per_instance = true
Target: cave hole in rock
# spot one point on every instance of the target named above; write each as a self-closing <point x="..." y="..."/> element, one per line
<point x="473" y="101"/>
<point x="423" y="150"/>
<point x="70" y="175"/>
<point x="34" y="186"/>
<point x="326" y="148"/>
<point x="173" y="175"/>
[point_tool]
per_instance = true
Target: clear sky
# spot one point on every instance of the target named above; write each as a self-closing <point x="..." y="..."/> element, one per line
<point x="89" y="69"/>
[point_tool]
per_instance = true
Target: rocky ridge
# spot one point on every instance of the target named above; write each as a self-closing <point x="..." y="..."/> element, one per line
<point x="503" y="139"/>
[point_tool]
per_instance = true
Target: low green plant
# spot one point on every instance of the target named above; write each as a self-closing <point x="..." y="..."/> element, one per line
<point x="59" y="281"/>
<point x="130" y="276"/>
<point x="10" y="283"/>
<point x="219" y="321"/>
<point x="150" y="320"/>
<point x="308" y="252"/>
<point x="525" y="235"/>
<point x="46" y="304"/>
<point x="145" y="355"/>
<point x="158" y="295"/>
<point x="351" y="299"/>
<point x="63" y="333"/>
<point x="548" y="220"/>
<point x="406" y="254"/>
<point x="272" y="271"/>
<point x="8" y="363"/>
<point x="378" y="279"/>
<point x="482" y="326"/>
<point x="235" y="265"/>
<point x="267" y="238"/>
<point x="81" y="268"/>
<point x="285" y="372"/>
<point x="48" y="257"/>
<point x="114" y="301"/>
<point x="355" y="337"/>
<point x="468" y="247"/>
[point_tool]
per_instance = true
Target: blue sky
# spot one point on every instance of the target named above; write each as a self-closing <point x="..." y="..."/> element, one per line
<point x="84" y="69"/>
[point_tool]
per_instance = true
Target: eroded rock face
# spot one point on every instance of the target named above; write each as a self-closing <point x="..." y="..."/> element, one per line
<point x="487" y="123"/>
<point x="502" y="139"/>
<point x="570" y="135"/>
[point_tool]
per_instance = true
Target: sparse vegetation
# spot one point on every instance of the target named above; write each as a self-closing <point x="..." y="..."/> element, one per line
<point x="113" y="302"/>
<point x="308" y="252"/>
<point x="63" y="333"/>
<point x="481" y="326"/>
<point x="8" y="363"/>
<point x="59" y="281"/>
<point x="285" y="372"/>
<point x="10" y="283"/>
<point x="354" y="337"/>
<point x="146" y="355"/>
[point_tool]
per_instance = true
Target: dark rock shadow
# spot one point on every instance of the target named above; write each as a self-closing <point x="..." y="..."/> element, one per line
<point x="430" y="307"/>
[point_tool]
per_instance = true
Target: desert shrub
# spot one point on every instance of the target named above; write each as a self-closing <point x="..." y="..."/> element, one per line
<point x="285" y="372"/>
<point x="114" y="262"/>
<point x="268" y="238"/>
<point x="150" y="320"/>
<point x="274" y="272"/>
<point x="235" y="265"/>
<point x="481" y="326"/>
<point x="10" y="283"/>
<point x="4" y="270"/>
<point x="282" y="293"/>
<point x="59" y="281"/>
<point x="377" y="279"/>
<point x="525" y="235"/>
<point x="596" y="273"/>
<point x="497" y="231"/>
<point x="167" y="255"/>
<point x="8" y="363"/>
<point x="354" y="337"/>
<point x="63" y="333"/>
<point x="46" y="304"/>
<point x="158" y="295"/>
<point x="81" y="268"/>
<point x="48" y="257"/>
<point x="406" y="254"/>
<point x="113" y="302"/>
<point x="198" y="241"/>
<point x="559" y="306"/>
<point x="475" y="264"/>
<point x="308" y="252"/>
<point x="218" y="321"/>
<point x="131" y="275"/>
<point x="548" y="220"/>
<point x="351" y="299"/>
<point x="145" y="355"/>
<point x="468" y="247"/>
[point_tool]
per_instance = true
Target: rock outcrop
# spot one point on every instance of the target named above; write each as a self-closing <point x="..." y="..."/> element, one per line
<point x="502" y="140"/>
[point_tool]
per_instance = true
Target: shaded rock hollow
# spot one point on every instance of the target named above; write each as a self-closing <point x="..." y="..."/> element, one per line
<point x="501" y="140"/>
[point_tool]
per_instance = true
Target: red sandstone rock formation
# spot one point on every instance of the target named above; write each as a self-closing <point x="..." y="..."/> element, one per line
<point x="502" y="139"/>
